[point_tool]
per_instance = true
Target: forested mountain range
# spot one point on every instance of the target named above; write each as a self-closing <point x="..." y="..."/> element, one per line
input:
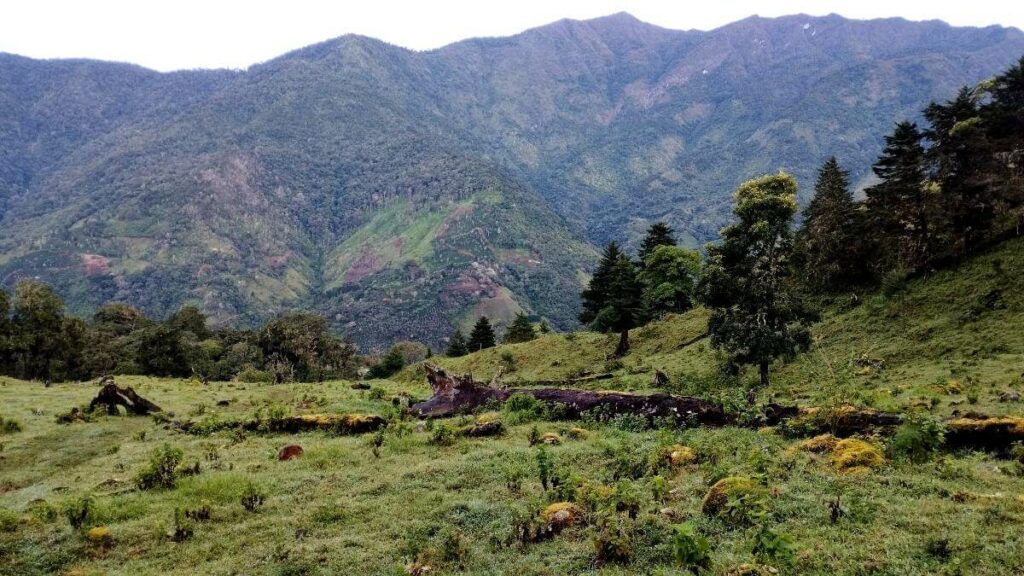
<point x="404" y="193"/>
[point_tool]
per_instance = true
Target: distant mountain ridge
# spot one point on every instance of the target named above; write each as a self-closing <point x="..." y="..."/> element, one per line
<point x="403" y="193"/>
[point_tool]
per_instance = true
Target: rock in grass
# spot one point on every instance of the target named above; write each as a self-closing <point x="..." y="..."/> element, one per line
<point x="718" y="495"/>
<point x="487" y="428"/>
<point x="551" y="438"/>
<point x="856" y="456"/>
<point x="679" y="455"/>
<point x="290" y="452"/>
<point x="819" y="444"/>
<point x="560" y="515"/>
<point x="578" y="433"/>
<point x="100" y="536"/>
<point x="752" y="570"/>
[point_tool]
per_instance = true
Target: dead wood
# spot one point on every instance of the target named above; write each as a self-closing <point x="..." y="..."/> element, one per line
<point x="111" y="396"/>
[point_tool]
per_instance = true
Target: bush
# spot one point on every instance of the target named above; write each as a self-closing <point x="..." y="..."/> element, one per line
<point x="251" y="375"/>
<point x="918" y="438"/>
<point x="252" y="498"/>
<point x="523" y="408"/>
<point x="9" y="426"/>
<point x="690" y="549"/>
<point x="79" y="511"/>
<point x="774" y="547"/>
<point x="162" y="471"/>
<point x="442" y="435"/>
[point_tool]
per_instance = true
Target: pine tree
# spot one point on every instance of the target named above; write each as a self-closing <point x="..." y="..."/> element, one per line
<point x="659" y="234"/>
<point x="756" y="313"/>
<point x="1004" y="124"/>
<point x="390" y="364"/>
<point x="482" y="335"/>
<point x="960" y="156"/>
<point x="623" y="306"/>
<point x="899" y="206"/>
<point x="520" y="330"/>
<point x="830" y="244"/>
<point x="456" y="345"/>
<point x="595" y="296"/>
<point x="6" y="336"/>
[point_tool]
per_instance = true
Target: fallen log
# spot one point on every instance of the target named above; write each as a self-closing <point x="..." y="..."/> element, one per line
<point x="112" y="396"/>
<point x="461" y="394"/>
<point x="335" y="423"/>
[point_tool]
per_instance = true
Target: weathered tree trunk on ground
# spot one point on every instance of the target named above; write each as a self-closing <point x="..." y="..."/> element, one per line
<point x="111" y="396"/>
<point x="461" y="394"/>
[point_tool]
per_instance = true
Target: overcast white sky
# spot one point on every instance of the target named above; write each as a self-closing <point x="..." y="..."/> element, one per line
<point x="169" y="35"/>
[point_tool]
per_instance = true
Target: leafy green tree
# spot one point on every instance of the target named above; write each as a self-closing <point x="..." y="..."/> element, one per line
<point x="520" y="330"/>
<point x="482" y="335"/>
<point x="43" y="344"/>
<point x="163" y="352"/>
<point x="669" y="279"/>
<point x="900" y="206"/>
<point x="5" y="332"/>
<point x="623" y="304"/>
<point x="831" y="243"/>
<point x="298" y="346"/>
<point x="756" y="313"/>
<point x="389" y="365"/>
<point x="659" y="234"/>
<point x="544" y="327"/>
<point x="456" y="345"/>
<point x="190" y="319"/>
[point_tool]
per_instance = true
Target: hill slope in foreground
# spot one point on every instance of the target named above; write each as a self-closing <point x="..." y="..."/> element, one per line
<point x="950" y="342"/>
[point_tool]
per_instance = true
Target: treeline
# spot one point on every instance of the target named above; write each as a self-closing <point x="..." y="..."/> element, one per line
<point x="38" y="341"/>
<point x="944" y="192"/>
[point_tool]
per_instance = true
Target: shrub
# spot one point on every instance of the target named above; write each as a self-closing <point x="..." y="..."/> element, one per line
<point x="377" y="393"/>
<point x="182" y="527"/>
<point x="545" y="467"/>
<point x="736" y="499"/>
<point x="918" y="438"/>
<point x="252" y="498"/>
<point x="611" y="539"/>
<point x="9" y="426"/>
<point x="690" y="549"/>
<point x="79" y="511"/>
<point x="162" y="471"/>
<point x="774" y="547"/>
<point x="251" y="375"/>
<point x="523" y="408"/>
<point x="442" y="435"/>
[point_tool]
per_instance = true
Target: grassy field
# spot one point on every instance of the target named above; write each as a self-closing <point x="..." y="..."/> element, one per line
<point x="454" y="504"/>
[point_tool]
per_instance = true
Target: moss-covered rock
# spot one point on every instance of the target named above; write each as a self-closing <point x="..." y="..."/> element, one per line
<point x="727" y="488"/>
<point x="551" y="438"/>
<point x="819" y="444"/>
<point x="100" y="536"/>
<point x="752" y="570"/>
<point x="561" y="515"/>
<point x="853" y="455"/>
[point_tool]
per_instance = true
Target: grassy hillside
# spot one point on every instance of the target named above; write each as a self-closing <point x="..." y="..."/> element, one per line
<point x="955" y="336"/>
<point x="454" y="503"/>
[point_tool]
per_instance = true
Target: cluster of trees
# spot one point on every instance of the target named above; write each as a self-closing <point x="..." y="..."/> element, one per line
<point x="625" y="293"/>
<point x="482" y="336"/>
<point x="945" y="190"/>
<point x="942" y="193"/>
<point x="39" y="341"/>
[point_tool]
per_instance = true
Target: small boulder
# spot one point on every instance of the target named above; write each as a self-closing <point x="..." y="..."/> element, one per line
<point x="1010" y="396"/>
<point x="718" y="495"/>
<point x="578" y="433"/>
<point x="819" y="444"/>
<point x="100" y="536"/>
<point x="223" y="402"/>
<point x="747" y="569"/>
<point x="361" y="386"/>
<point x="290" y="452"/>
<point x="856" y="456"/>
<point x="560" y="515"/>
<point x="679" y="455"/>
<point x="551" y="438"/>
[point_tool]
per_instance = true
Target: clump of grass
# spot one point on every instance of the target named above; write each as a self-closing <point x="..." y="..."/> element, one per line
<point x="690" y="549"/>
<point x="9" y="426"/>
<point x="442" y="435"/>
<point x="252" y="498"/>
<point x="80" y="511"/>
<point x="162" y="471"/>
<point x="918" y="438"/>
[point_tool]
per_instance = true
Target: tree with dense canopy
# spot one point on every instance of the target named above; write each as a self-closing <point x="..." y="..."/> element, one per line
<point x="757" y="314"/>
<point x="389" y="365"/>
<point x="828" y="243"/>
<point x="482" y="335"/>
<point x="669" y="278"/>
<point x="456" y="345"/>
<point x="520" y="330"/>
<point x="659" y="234"/>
